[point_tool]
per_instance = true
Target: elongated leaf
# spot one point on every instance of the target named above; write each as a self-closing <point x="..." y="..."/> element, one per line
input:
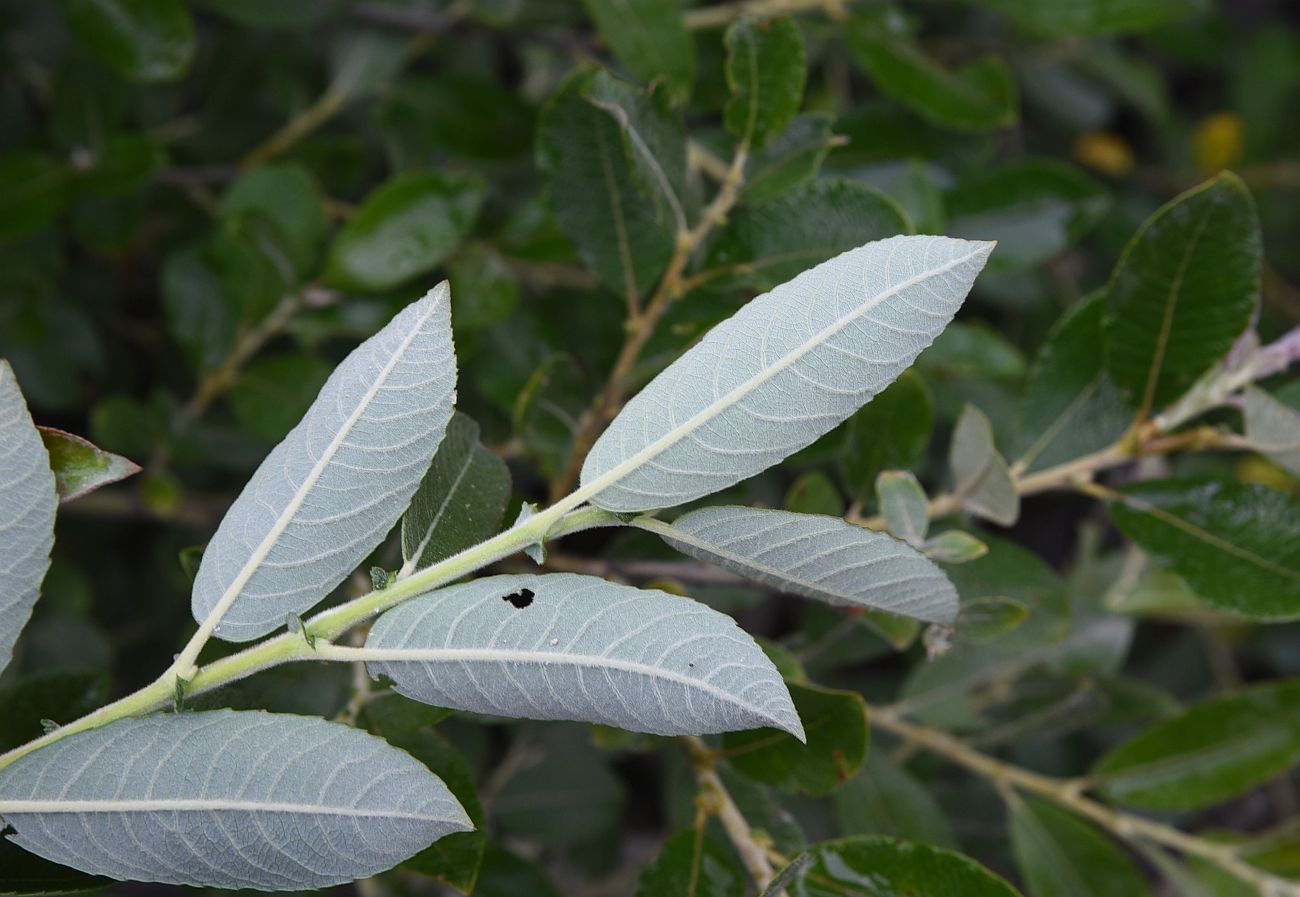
<point x="79" y="466"/>
<point x="1060" y="855"/>
<point x="143" y="40"/>
<point x="1213" y="751"/>
<point x="1236" y="545"/>
<point x="785" y="369"/>
<point x="886" y="800"/>
<point x="824" y="558"/>
<point x="892" y="431"/>
<point x="1092" y="17"/>
<point x="692" y="863"/>
<point x="326" y="495"/>
<point x="648" y="37"/>
<point x="980" y="475"/>
<point x="461" y="500"/>
<point x="226" y="799"/>
<point x="564" y="646"/>
<point x="26" y="512"/>
<point x="1184" y="290"/>
<point x="882" y="866"/>
<point x="766" y="71"/>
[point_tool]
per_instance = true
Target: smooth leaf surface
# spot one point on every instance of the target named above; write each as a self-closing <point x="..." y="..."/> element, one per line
<point x="786" y="368"/>
<point x="1213" y="751"/>
<point x="1274" y="427"/>
<point x="289" y="196"/>
<point x="819" y="557"/>
<point x="980" y="475"/>
<point x="461" y="500"/>
<point x="36" y="188"/>
<point x="404" y="228"/>
<point x="26" y="514"/>
<point x="80" y="466"/>
<point x="904" y="506"/>
<point x="892" y="431"/>
<point x="329" y="492"/>
<point x="886" y="800"/>
<point x="766" y="71"/>
<point x="563" y="646"/>
<point x="691" y="863"/>
<point x="954" y="547"/>
<point x="226" y="799"/>
<point x="883" y="867"/>
<point x="55" y="695"/>
<point x="1236" y="545"/>
<point x="791" y="159"/>
<point x="1092" y="17"/>
<point x="649" y="37"/>
<point x="143" y="40"/>
<point x="1061" y="855"/>
<point x="1184" y="290"/>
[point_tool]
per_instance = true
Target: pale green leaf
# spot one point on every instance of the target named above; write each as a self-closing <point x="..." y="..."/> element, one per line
<point x="1274" y="428"/>
<point x="904" y="505"/>
<point x="980" y="475"/>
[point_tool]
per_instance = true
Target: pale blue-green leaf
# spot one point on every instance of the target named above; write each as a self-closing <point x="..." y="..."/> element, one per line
<point x="788" y="367"/>
<point x="226" y="799"/>
<point x="563" y="646"/>
<point x="1274" y="428"/>
<point x="980" y="474"/>
<point x="338" y="482"/>
<point x="904" y="505"/>
<point x="27" y="505"/>
<point x="824" y="558"/>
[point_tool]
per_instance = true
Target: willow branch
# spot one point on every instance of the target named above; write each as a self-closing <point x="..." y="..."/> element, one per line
<point x="723" y="14"/>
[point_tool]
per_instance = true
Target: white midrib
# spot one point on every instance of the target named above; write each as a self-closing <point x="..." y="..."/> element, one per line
<point x="286" y="516"/>
<point x="160" y="805"/>
<point x="704" y="415"/>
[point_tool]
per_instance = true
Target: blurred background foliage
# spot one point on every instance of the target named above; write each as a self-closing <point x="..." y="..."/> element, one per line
<point x="205" y="205"/>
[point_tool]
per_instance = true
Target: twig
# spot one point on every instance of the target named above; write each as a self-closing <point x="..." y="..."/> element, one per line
<point x="725" y="13"/>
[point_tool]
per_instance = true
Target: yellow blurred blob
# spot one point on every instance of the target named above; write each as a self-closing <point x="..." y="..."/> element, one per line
<point x="1218" y="142"/>
<point x="1104" y="152"/>
<point x="1254" y="469"/>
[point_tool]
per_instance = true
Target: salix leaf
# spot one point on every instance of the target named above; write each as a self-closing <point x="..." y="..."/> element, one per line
<point x="816" y="556"/>
<point x="788" y="367"/>
<point x="26" y="513"/>
<point x="338" y="482"/>
<point x="226" y="799"/>
<point x="979" y="473"/>
<point x="563" y="646"/>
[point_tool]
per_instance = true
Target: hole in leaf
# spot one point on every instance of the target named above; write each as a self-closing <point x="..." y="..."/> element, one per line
<point x="520" y="599"/>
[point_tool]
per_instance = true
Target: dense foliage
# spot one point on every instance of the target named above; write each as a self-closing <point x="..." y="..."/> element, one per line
<point x="1092" y="472"/>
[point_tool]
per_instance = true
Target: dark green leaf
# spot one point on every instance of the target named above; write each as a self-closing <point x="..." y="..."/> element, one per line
<point x="892" y="431"/>
<point x="1093" y="17"/>
<point x="978" y="97"/>
<point x="1213" y="751"/>
<point x="835" y="723"/>
<point x="470" y="117"/>
<point x="274" y="392"/>
<point x="502" y="874"/>
<point x="986" y="618"/>
<point x="1060" y="855"/>
<point x="1184" y="290"/>
<point x="884" y="799"/>
<point x="455" y="858"/>
<point x="143" y="40"/>
<point x="280" y="15"/>
<point x="1236" y="545"/>
<point x="460" y="501"/>
<point x="201" y="315"/>
<point x="691" y="863"/>
<point x="484" y="291"/>
<point x="814" y="493"/>
<point x="883" y="867"/>
<point x="289" y="196"/>
<point x="123" y="163"/>
<point x="789" y="160"/>
<point x="34" y="189"/>
<point x="62" y="697"/>
<point x="79" y="466"/>
<point x="766" y="71"/>
<point x="403" y="229"/>
<point x="23" y="873"/>
<point x="649" y="37"/>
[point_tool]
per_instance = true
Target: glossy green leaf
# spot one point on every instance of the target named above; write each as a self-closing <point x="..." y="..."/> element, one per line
<point x="835" y="723"/>
<point x="819" y="557"/>
<point x="650" y="39"/>
<point x="123" y="163"/>
<point x="578" y="647"/>
<point x="289" y="196"/>
<point x="980" y="475"/>
<point x="892" y="431"/>
<point x="883" y="867"/>
<point x="275" y="391"/>
<point x="26" y="515"/>
<point x="1236" y="545"/>
<point x="770" y="242"/>
<point x="1213" y="751"/>
<point x="814" y="493"/>
<point x="884" y="799"/>
<point x="61" y="696"/>
<point x="785" y="369"/>
<point x="978" y="97"/>
<point x="766" y="70"/>
<point x="342" y="477"/>
<point x="403" y="229"/>
<point x="1061" y="855"/>
<point x="34" y="190"/>
<point x="226" y="799"/>
<point x="79" y="466"/>
<point x="606" y="195"/>
<point x="904" y="506"/>
<point x="791" y="159"/>
<point x="460" y="501"/>
<point x="954" y="547"/>
<point x="1074" y="18"/>
<point x="1184" y="290"/>
<point x="142" y="40"/>
<point x="692" y="863"/>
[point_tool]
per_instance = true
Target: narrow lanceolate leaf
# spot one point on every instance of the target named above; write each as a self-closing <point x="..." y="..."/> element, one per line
<point x="1060" y="855"/>
<point x="980" y="475"/>
<point x="1236" y="545"/>
<point x="1184" y="290"/>
<point x="80" y="466"/>
<point x="1211" y="752"/>
<point x="788" y="367"/>
<point x="226" y="800"/>
<point x="766" y="71"/>
<point x="26" y="512"/>
<point x="824" y="558"/>
<point x="338" y="482"/>
<point x="461" y="500"/>
<point x="563" y="646"/>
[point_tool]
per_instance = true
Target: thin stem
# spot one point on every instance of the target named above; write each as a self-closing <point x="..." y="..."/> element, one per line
<point x="725" y="13"/>
<point x="1068" y="793"/>
<point x="717" y="801"/>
